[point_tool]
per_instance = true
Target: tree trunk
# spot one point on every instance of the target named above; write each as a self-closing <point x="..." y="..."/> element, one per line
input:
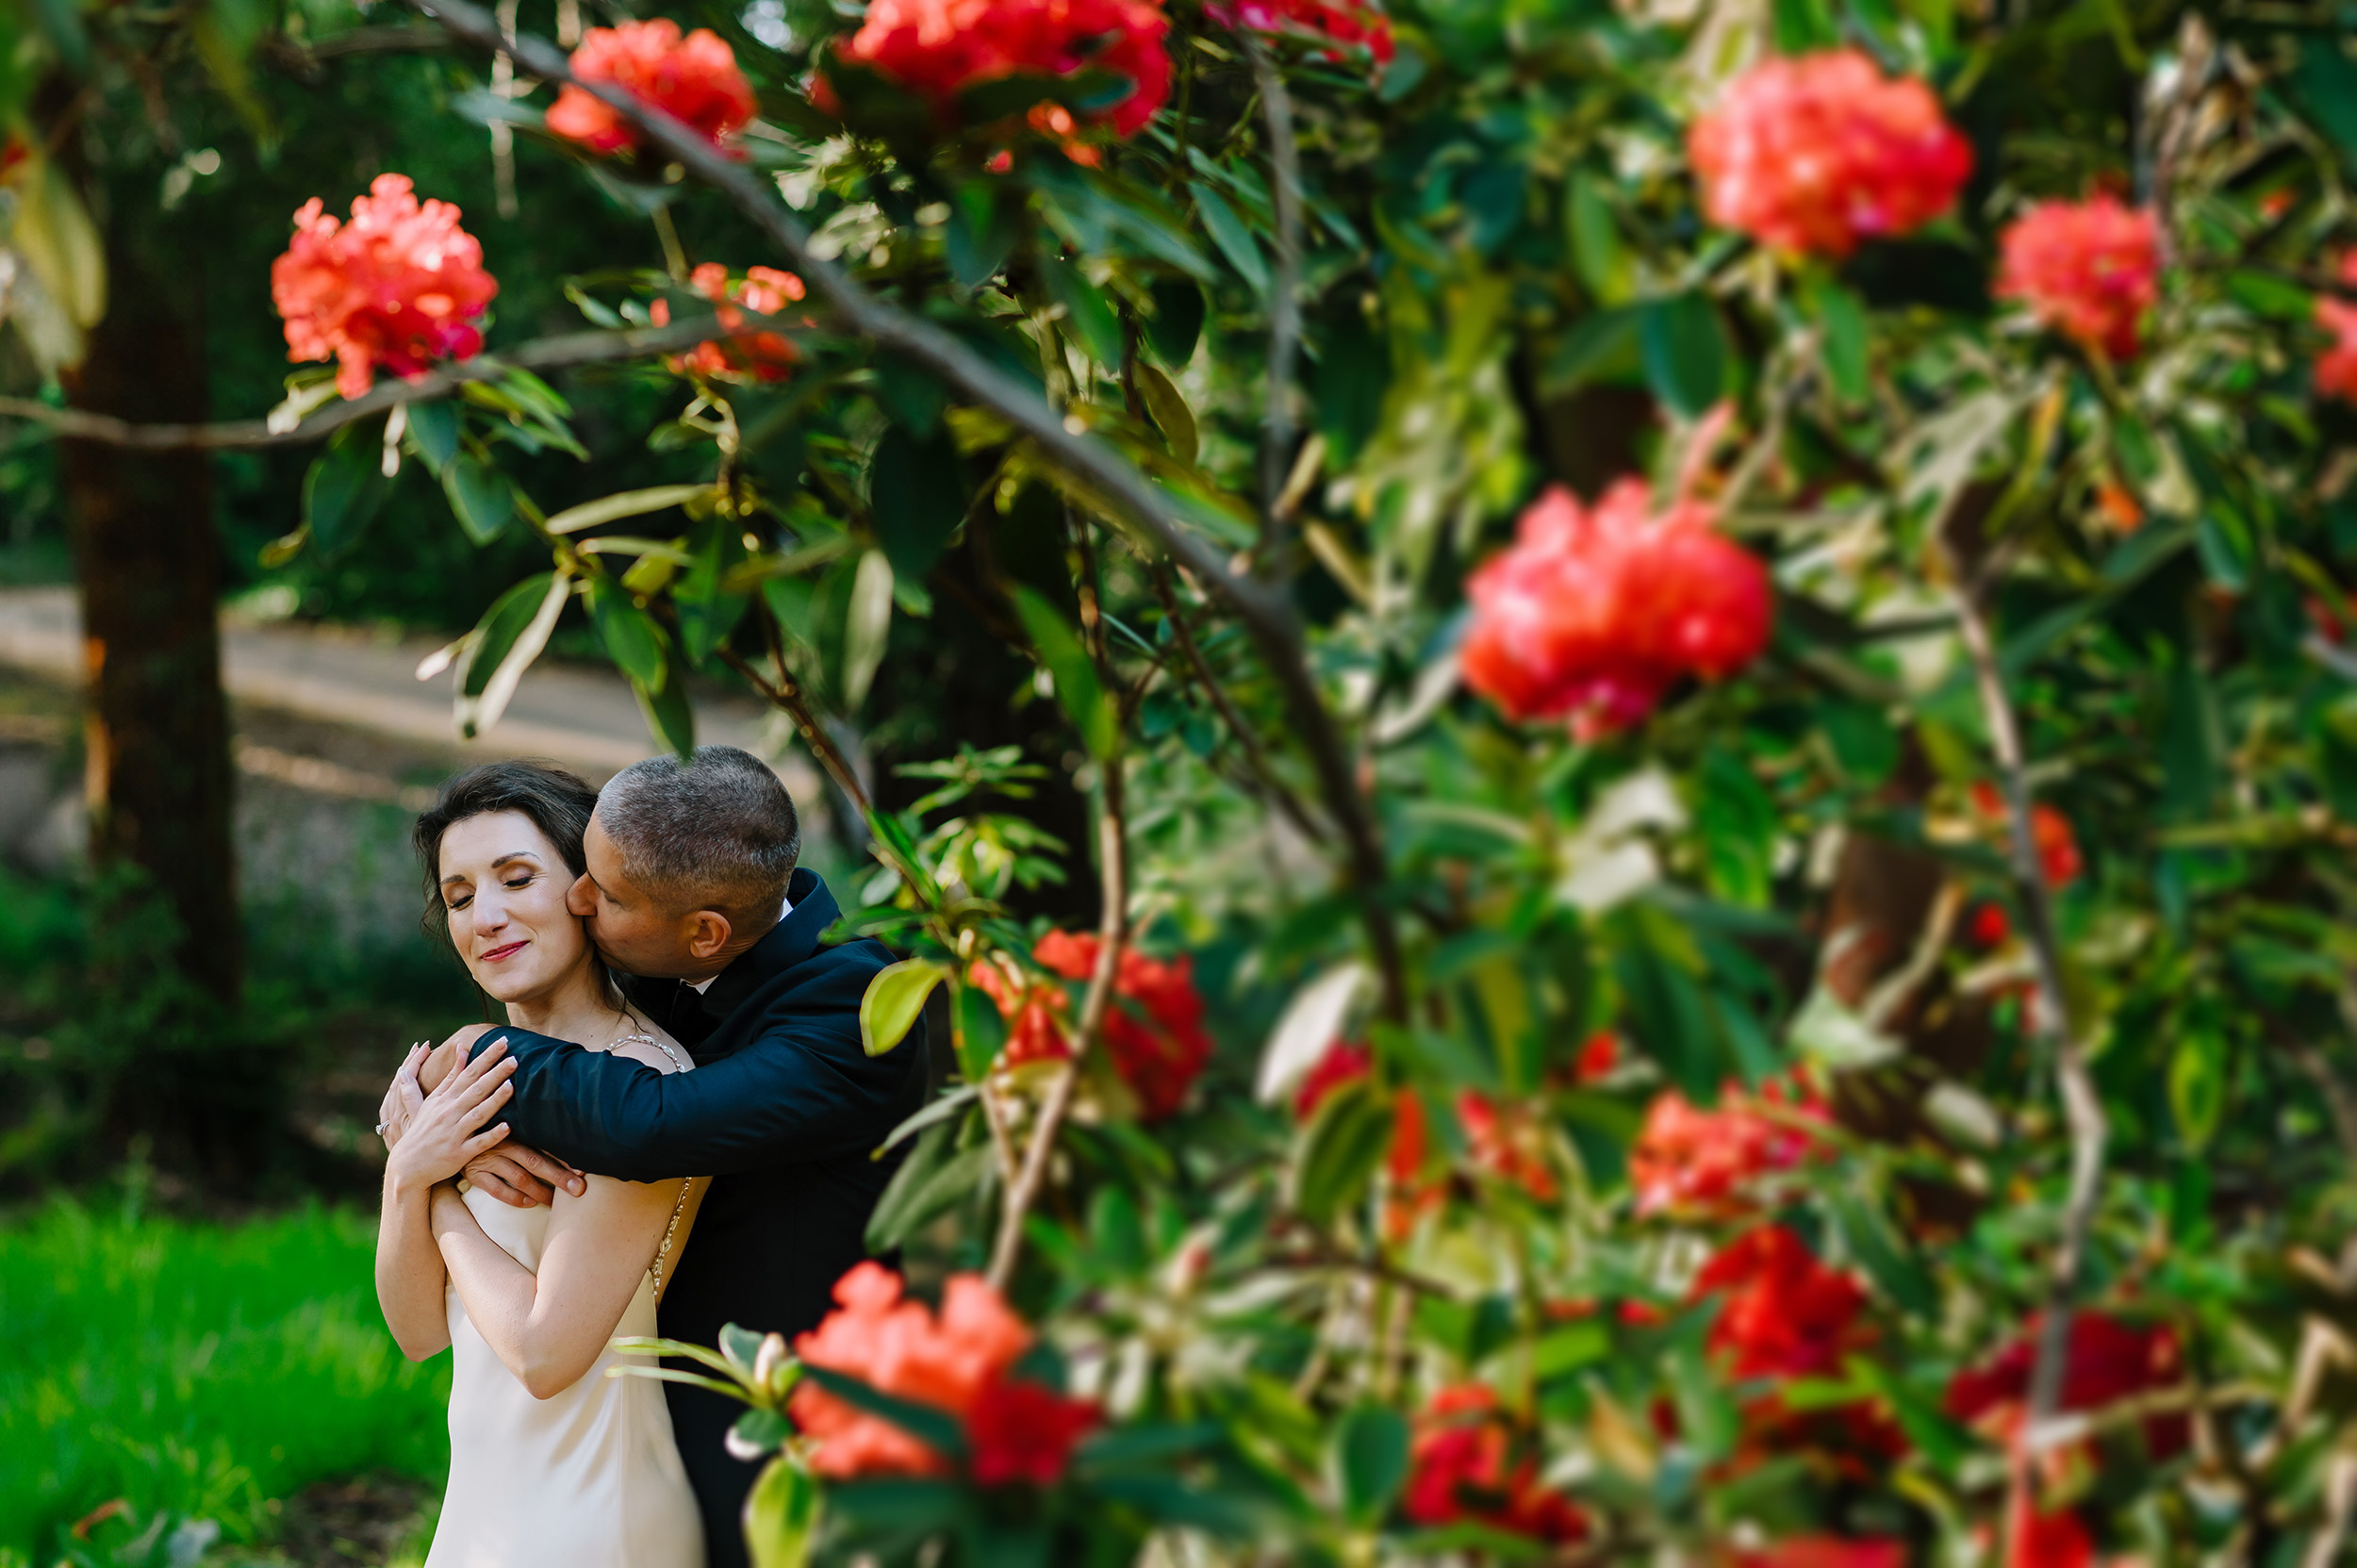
<point x="149" y="569"/>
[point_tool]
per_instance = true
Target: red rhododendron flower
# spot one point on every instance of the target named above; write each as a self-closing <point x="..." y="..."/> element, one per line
<point x="2105" y="1360"/>
<point x="1345" y="1062"/>
<point x="1413" y="1192"/>
<point x="2049" y="829"/>
<point x="1599" y="1055"/>
<point x="1154" y="1029"/>
<point x="399" y="286"/>
<point x="1021" y="1432"/>
<point x="1507" y="1142"/>
<point x="1594" y="612"/>
<point x="761" y="355"/>
<point x="1785" y="1313"/>
<point x="1463" y="1467"/>
<point x="2056" y="1540"/>
<point x="939" y="48"/>
<point x="1826" y="1551"/>
<point x="1033" y="1013"/>
<point x="1989" y="926"/>
<point x="1349" y="24"/>
<point x="901" y="1349"/>
<point x="1812" y="153"/>
<point x="2337" y="367"/>
<point x="1699" y="1163"/>
<point x="693" y="79"/>
<point x="2089" y="270"/>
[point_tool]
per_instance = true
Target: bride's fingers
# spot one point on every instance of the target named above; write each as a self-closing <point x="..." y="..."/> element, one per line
<point x="473" y="1072"/>
<point x="489" y="1138"/>
<point x="472" y="1117"/>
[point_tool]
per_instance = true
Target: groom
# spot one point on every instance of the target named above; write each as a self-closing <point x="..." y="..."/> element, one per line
<point x="693" y="891"/>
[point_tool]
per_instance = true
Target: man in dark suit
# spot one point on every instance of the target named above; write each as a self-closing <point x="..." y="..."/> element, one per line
<point x="692" y="889"/>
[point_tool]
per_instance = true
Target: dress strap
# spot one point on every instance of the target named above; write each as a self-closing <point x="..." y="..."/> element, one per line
<point x="679" y="1207"/>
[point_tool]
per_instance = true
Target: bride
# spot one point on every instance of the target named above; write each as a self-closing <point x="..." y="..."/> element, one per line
<point x="551" y="1461"/>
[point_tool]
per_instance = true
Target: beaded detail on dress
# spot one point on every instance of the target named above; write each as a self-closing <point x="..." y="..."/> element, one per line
<point x="680" y="1205"/>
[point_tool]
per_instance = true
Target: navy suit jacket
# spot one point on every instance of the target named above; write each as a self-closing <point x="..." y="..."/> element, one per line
<point x="784" y="1109"/>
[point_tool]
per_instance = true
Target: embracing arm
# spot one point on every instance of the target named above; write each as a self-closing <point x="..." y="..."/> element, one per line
<point x="803" y="1089"/>
<point x="550" y="1328"/>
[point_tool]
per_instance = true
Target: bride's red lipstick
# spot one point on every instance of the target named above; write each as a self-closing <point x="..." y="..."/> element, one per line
<point x="508" y="951"/>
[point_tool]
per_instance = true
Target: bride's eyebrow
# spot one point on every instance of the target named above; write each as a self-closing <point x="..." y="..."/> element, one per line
<point x="512" y="857"/>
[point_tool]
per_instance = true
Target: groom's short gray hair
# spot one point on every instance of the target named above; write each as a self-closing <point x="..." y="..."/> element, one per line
<point x="716" y="831"/>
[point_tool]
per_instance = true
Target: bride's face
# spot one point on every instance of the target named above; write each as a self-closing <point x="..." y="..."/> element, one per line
<point x="504" y="885"/>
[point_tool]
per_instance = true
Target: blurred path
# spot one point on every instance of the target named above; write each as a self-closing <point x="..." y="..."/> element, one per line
<point x="572" y="714"/>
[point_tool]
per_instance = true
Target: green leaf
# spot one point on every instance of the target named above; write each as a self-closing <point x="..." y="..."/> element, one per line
<point x="1369" y="1461"/>
<point x="708" y="608"/>
<point x="911" y="396"/>
<point x="1599" y="255"/>
<point x="1599" y="346"/>
<point x="1669" y="1016"/>
<point x="867" y="622"/>
<point x="935" y="1176"/>
<point x="1089" y="319"/>
<point x="628" y="503"/>
<point x="1228" y="233"/>
<point x="2197" y="1076"/>
<point x="1340" y="1151"/>
<point x="1569" y="1348"/>
<point x="510" y="635"/>
<point x="346" y="486"/>
<point x="670" y="718"/>
<point x="1842" y="316"/>
<point x="434" y="430"/>
<point x="895" y="1000"/>
<point x="1075" y="674"/>
<point x="632" y="638"/>
<point x="781" y="1511"/>
<point x="980" y="1033"/>
<point x="2325" y="83"/>
<point x="480" y="495"/>
<point x="1170" y="413"/>
<point x="1171" y="332"/>
<point x="2271" y="297"/>
<point x="917" y="491"/>
<point x="980" y="233"/>
<point x="1686" y="355"/>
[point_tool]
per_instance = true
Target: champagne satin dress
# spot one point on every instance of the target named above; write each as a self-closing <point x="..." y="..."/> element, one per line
<point x="589" y="1478"/>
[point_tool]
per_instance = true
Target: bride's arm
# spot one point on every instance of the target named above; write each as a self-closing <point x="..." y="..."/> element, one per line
<point x="550" y="1328"/>
<point x="443" y="1135"/>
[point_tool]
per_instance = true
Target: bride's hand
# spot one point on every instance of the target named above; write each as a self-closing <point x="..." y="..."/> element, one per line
<point x="446" y="1130"/>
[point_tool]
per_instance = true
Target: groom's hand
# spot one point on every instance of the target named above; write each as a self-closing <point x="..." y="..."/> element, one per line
<point x="523" y="1178"/>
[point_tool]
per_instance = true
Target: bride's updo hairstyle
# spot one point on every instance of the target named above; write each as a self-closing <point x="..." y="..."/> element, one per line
<point x="555" y="800"/>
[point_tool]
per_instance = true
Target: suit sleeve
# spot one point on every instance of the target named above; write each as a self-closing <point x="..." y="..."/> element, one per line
<point x="801" y="1090"/>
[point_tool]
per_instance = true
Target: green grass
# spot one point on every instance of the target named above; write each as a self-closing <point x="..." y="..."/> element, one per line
<point x="203" y="1370"/>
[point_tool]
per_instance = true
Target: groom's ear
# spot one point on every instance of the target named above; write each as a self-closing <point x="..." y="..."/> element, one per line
<point x="707" y="932"/>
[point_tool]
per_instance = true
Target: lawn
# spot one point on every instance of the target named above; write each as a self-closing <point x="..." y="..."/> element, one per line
<point x="205" y="1370"/>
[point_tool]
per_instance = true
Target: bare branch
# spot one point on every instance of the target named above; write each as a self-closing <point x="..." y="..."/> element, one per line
<point x="1265" y="609"/>
<point x="546" y="353"/>
<point x="1284" y="304"/>
<point x="1249" y="743"/>
<point x="2082" y="1108"/>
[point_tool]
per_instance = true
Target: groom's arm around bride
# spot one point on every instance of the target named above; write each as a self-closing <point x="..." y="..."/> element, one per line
<point x="692" y="889"/>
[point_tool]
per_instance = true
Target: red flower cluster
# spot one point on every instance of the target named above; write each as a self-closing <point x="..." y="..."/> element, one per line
<point x="399" y="286"/>
<point x="1594" y="613"/>
<point x="1463" y="1468"/>
<point x="1786" y="1314"/>
<point x="2089" y="270"/>
<point x="1509" y="1142"/>
<point x="939" y="48"/>
<point x="1340" y="25"/>
<point x="761" y="355"/>
<point x="1813" y="154"/>
<point x="2337" y="367"/>
<point x="1698" y="1163"/>
<point x="693" y="79"/>
<point x="2104" y="1362"/>
<point x="2048" y="1540"/>
<point x="2049" y="829"/>
<point x="1154" y="1029"/>
<point x="960" y="1362"/>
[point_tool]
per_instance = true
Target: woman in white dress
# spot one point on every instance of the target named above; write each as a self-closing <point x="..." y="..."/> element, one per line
<point x="551" y="1461"/>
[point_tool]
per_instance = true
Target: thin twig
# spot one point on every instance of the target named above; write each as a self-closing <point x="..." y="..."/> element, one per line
<point x="1249" y="743"/>
<point x="1284" y="304"/>
<point x="545" y="354"/>
<point x="1265" y="609"/>
<point x="2082" y="1108"/>
<point x="785" y="694"/>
